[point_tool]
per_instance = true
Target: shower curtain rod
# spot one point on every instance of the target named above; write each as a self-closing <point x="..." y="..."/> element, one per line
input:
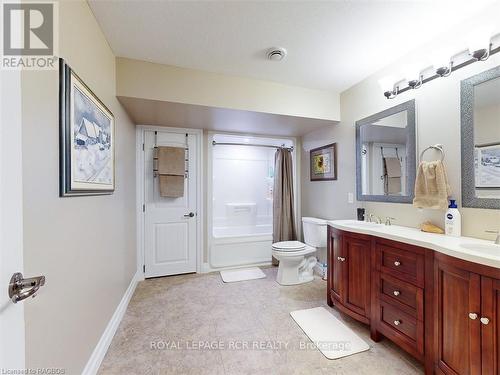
<point x="214" y="143"/>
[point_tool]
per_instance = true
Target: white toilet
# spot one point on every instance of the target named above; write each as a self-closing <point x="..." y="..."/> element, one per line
<point x="297" y="259"/>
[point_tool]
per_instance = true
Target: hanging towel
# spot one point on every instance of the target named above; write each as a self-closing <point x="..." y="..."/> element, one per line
<point x="171" y="169"/>
<point x="171" y="160"/>
<point x="393" y="167"/>
<point x="171" y="186"/>
<point x="392" y="170"/>
<point x="431" y="186"/>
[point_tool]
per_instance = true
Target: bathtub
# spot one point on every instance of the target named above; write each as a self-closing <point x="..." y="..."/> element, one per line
<point x="233" y="246"/>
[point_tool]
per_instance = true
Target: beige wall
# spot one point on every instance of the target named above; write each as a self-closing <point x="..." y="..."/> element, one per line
<point x="487" y="124"/>
<point x="140" y="79"/>
<point x="438" y="121"/>
<point x="85" y="246"/>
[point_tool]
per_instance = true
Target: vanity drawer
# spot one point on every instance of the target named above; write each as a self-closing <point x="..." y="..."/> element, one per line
<point x="402" y="264"/>
<point x="396" y="320"/>
<point x="406" y="296"/>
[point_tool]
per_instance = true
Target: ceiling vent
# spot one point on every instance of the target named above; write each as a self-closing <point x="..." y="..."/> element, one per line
<point x="276" y="54"/>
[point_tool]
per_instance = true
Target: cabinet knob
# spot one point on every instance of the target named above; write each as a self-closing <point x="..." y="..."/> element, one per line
<point x="473" y="316"/>
<point x="397" y="263"/>
<point x="397" y="322"/>
<point x="396" y="293"/>
<point x="485" y="321"/>
<point x="341" y="259"/>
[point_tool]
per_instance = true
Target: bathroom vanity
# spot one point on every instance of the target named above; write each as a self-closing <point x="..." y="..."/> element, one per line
<point x="437" y="297"/>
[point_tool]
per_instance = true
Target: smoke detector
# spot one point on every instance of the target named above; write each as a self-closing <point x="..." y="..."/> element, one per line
<point x="276" y="54"/>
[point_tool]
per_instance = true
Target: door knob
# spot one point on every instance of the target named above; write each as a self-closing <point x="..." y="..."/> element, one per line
<point x="191" y="214"/>
<point x="473" y="316"/>
<point x="21" y="288"/>
<point x="397" y="263"/>
<point x="397" y="322"/>
<point x="485" y="321"/>
<point x="341" y="259"/>
<point x="396" y="293"/>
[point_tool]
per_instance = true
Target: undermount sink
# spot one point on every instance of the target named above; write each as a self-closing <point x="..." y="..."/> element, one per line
<point x="365" y="224"/>
<point x="492" y="248"/>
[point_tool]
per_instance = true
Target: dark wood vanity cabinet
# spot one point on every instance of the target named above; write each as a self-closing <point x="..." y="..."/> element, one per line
<point x="467" y="329"/>
<point x="350" y="276"/>
<point x="442" y="310"/>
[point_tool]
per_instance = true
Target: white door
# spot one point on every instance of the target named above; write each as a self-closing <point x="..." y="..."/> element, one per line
<point x="170" y="232"/>
<point x="11" y="221"/>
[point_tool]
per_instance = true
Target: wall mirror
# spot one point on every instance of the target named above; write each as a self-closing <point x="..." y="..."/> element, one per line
<point x="385" y="155"/>
<point x="480" y="110"/>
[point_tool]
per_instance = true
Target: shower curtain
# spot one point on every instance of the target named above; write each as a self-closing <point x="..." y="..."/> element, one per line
<point x="283" y="200"/>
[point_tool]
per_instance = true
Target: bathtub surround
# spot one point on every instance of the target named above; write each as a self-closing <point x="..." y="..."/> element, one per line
<point x="85" y="284"/>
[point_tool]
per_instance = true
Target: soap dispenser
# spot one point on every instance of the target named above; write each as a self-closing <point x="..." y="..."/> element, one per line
<point x="453" y="220"/>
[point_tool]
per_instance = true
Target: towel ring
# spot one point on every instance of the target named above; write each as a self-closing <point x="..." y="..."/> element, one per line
<point x="437" y="147"/>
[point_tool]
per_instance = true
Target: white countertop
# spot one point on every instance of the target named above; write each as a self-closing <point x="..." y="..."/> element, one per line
<point x="466" y="248"/>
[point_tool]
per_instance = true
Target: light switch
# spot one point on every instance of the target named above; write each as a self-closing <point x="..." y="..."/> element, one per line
<point x="350" y="198"/>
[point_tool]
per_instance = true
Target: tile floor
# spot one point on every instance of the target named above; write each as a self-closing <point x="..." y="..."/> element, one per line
<point x="196" y="324"/>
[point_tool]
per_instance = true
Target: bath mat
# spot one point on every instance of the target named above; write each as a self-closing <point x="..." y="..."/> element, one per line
<point x="328" y="334"/>
<point x="232" y="276"/>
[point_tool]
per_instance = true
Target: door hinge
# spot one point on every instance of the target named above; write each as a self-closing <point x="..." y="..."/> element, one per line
<point x="143" y="208"/>
<point x="144" y="268"/>
<point x="143" y="147"/>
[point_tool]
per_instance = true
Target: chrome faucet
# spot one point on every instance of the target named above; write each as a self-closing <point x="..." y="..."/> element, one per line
<point x="378" y="220"/>
<point x="497" y="240"/>
<point x="388" y="220"/>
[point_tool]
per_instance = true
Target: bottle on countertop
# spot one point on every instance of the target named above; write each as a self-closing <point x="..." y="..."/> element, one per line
<point x="453" y="220"/>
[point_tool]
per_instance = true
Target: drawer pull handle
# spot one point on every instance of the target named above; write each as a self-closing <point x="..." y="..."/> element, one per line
<point x="341" y="259"/>
<point x="485" y="321"/>
<point x="397" y="263"/>
<point x="397" y="322"/>
<point x="472" y="316"/>
<point x="396" y="293"/>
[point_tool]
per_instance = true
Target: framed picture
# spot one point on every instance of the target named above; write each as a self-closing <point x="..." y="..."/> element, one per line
<point x="324" y="163"/>
<point x="487" y="166"/>
<point x="86" y="139"/>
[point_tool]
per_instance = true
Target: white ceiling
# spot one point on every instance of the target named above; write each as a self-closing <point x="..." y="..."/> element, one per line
<point x="331" y="45"/>
<point x="180" y="115"/>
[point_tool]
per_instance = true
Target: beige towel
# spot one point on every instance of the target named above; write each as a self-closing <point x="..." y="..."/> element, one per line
<point x="171" y="160"/>
<point x="394" y="185"/>
<point x="171" y="168"/>
<point x="171" y="186"/>
<point x="431" y="186"/>
<point x="392" y="167"/>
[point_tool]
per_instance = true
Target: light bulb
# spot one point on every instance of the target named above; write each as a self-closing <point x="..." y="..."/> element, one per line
<point x="387" y="83"/>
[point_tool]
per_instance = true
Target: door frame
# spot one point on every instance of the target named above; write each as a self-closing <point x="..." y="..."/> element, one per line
<point x="12" y="324"/>
<point x="140" y="181"/>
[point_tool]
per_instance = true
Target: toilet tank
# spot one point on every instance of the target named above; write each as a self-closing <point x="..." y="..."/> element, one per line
<point x="314" y="231"/>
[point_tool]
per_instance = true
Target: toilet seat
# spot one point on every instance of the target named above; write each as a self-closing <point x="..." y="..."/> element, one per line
<point x="288" y="253"/>
<point x="289" y="246"/>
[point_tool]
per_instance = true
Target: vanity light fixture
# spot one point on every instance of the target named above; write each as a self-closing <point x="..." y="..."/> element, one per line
<point x="480" y="48"/>
<point x="388" y="87"/>
<point x="479" y="43"/>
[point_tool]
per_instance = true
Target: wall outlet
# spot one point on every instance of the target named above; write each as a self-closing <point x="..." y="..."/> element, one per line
<point x="350" y="198"/>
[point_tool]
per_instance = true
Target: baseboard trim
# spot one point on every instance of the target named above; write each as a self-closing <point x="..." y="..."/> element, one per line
<point x="102" y="346"/>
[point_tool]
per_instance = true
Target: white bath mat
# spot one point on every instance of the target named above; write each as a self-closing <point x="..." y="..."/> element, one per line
<point x="328" y="334"/>
<point x="232" y="276"/>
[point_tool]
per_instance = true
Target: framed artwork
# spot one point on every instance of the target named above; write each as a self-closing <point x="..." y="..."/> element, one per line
<point x="324" y="163"/>
<point x="86" y="139"/>
<point x="487" y="166"/>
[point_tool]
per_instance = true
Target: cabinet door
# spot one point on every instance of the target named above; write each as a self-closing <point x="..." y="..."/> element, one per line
<point x="490" y="329"/>
<point x="357" y="275"/>
<point x="335" y="264"/>
<point x="458" y="334"/>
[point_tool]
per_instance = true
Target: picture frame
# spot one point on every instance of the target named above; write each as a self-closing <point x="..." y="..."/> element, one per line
<point x="323" y="163"/>
<point x="86" y="139"/>
<point x="487" y="166"/>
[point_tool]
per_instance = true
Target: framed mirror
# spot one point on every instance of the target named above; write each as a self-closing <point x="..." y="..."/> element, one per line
<point x="480" y="112"/>
<point x="386" y="155"/>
